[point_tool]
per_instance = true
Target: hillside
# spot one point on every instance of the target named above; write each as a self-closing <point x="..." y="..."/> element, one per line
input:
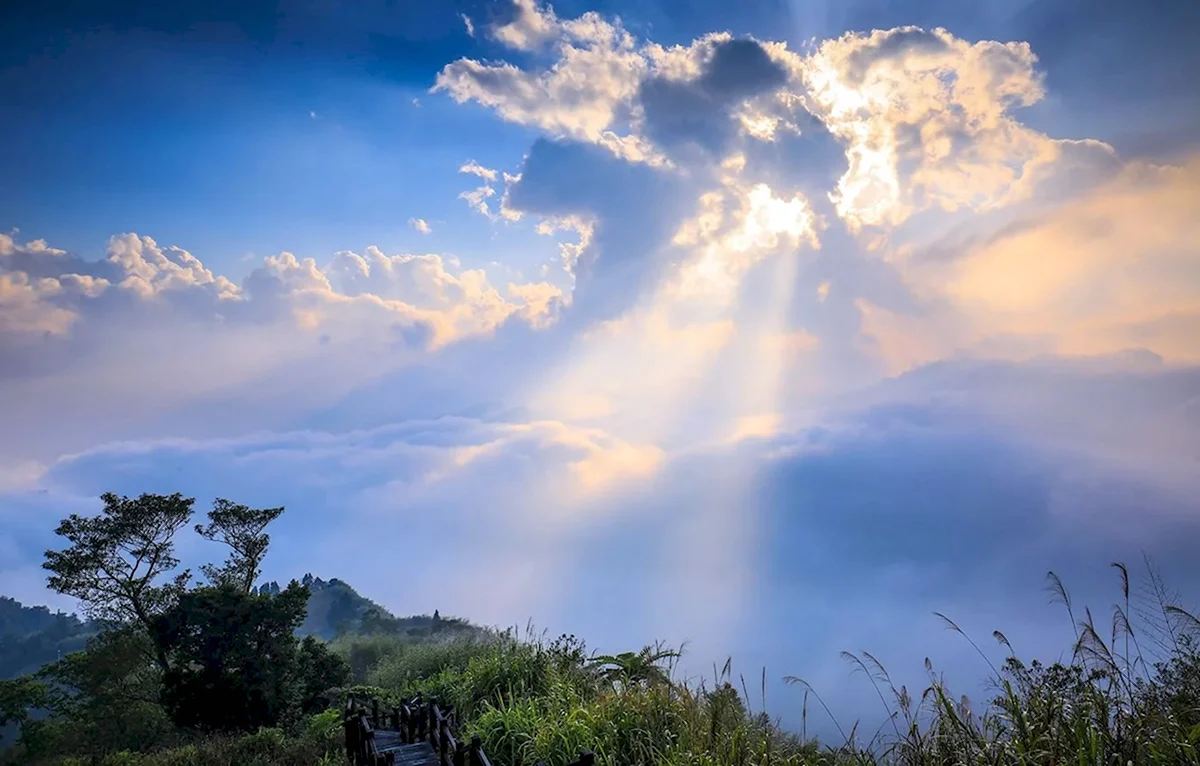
<point x="336" y="608"/>
<point x="31" y="636"/>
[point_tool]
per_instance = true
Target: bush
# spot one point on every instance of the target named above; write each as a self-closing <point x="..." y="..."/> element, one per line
<point x="363" y="654"/>
<point x="417" y="662"/>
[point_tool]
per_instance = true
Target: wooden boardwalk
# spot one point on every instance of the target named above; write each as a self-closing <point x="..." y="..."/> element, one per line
<point x="416" y="733"/>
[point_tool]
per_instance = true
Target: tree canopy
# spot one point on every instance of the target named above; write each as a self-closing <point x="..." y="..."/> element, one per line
<point x="243" y="529"/>
<point x="220" y="655"/>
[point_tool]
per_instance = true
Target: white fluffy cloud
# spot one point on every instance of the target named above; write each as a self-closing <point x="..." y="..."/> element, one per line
<point x="478" y="198"/>
<point x="581" y="95"/>
<point x="47" y="291"/>
<point x="929" y="126"/>
<point x="927" y="121"/>
<point x="74" y="333"/>
<point x="472" y="167"/>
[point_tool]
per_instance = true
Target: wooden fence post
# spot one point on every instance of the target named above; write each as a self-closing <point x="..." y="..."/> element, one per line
<point x="350" y="728"/>
<point x="435" y="722"/>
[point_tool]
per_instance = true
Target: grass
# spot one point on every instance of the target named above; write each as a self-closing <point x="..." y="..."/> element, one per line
<point x="1128" y="695"/>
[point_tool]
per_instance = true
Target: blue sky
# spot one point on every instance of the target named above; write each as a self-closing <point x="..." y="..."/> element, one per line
<point x="770" y="326"/>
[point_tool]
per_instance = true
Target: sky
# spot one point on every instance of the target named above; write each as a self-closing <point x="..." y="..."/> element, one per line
<point x="772" y="327"/>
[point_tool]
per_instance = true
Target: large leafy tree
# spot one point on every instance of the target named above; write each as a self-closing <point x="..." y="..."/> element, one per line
<point x="117" y="563"/>
<point x="17" y="697"/>
<point x="100" y="700"/>
<point x="243" y="529"/>
<point x="233" y="656"/>
<point x="318" y="670"/>
<point x="221" y="656"/>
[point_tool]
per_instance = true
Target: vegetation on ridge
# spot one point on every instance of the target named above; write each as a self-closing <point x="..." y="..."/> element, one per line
<point x="213" y="674"/>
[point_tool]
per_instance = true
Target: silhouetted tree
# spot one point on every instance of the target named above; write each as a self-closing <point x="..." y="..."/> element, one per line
<point x="243" y="529"/>
<point x="318" y="670"/>
<point x="116" y="561"/>
<point x="233" y="656"/>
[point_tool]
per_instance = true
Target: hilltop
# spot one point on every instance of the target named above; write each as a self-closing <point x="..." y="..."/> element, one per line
<point x="335" y="608"/>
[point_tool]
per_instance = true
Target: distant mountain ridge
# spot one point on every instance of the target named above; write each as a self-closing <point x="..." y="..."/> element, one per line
<point x="31" y="636"/>
<point x="335" y="608"/>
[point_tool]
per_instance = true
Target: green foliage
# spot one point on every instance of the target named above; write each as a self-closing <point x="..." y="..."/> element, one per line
<point x="631" y="668"/>
<point x="224" y="679"/>
<point x="116" y="561"/>
<point x="319" y="744"/>
<point x="18" y="697"/>
<point x="364" y="654"/>
<point x="417" y="665"/>
<point x="171" y="662"/>
<point x="334" y="608"/>
<point x="243" y="529"/>
<point x="318" y="672"/>
<point x="100" y="700"/>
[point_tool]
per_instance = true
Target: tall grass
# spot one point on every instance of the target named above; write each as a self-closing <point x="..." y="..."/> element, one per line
<point x="1129" y="695"/>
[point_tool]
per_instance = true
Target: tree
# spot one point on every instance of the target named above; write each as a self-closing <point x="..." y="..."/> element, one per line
<point x="100" y="700"/>
<point x="318" y="670"/>
<point x="243" y="529"/>
<point x="232" y="656"/>
<point x="116" y="561"/>
<point x="17" y="697"/>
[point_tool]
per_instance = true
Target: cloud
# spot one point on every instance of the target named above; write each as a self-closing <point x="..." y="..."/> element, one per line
<point x="697" y="109"/>
<point x="958" y="484"/>
<point x="1106" y="270"/>
<point x="926" y="121"/>
<point x="153" y="312"/>
<point x="406" y="479"/>
<point x="478" y="197"/>
<point x="915" y="120"/>
<point x="474" y="168"/>
<point x="420" y="225"/>
<point x="1115" y="268"/>
<point x="580" y="96"/>
<point x="530" y="27"/>
<point x="630" y="211"/>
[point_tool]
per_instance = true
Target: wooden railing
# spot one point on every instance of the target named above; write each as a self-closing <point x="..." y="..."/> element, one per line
<point x="370" y="730"/>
